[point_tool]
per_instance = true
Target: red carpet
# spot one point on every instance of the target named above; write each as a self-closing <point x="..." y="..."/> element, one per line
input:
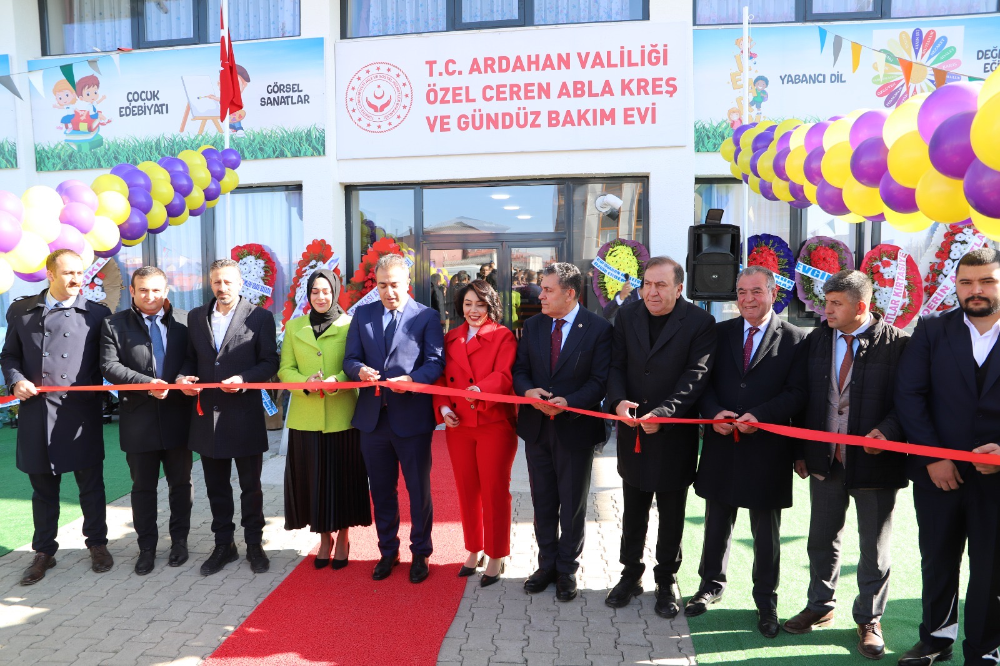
<point x="344" y="617"/>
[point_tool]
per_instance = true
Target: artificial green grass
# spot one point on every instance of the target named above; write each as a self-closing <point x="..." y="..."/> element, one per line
<point x="8" y="154"/>
<point x="728" y="631"/>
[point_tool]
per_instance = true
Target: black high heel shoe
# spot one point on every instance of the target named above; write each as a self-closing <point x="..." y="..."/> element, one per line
<point x="486" y="581"/>
<point x="340" y="564"/>
<point x="465" y="571"/>
<point x="321" y="563"/>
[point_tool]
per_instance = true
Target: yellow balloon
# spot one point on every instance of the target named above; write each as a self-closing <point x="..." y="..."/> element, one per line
<point x="794" y="165"/>
<point x="747" y="139"/>
<point x="780" y="189"/>
<point x="192" y="158"/>
<point x="786" y="126"/>
<point x="157" y="215"/>
<point x="836" y="164"/>
<point x="207" y="145"/>
<point x="743" y="161"/>
<point x="110" y="183"/>
<point x="104" y="235"/>
<point x="810" y="191"/>
<point x="985" y="134"/>
<point x="765" y="165"/>
<point x="908" y="159"/>
<point x="902" y="120"/>
<point x="798" y="137"/>
<point x="195" y="199"/>
<point x="212" y="203"/>
<point x="6" y="276"/>
<point x="941" y="198"/>
<point x="754" y="183"/>
<point x="87" y="256"/>
<point x="154" y="171"/>
<point x="915" y="221"/>
<point x="180" y="219"/>
<point x="133" y="243"/>
<point x="851" y="218"/>
<point x="839" y="131"/>
<point x="42" y="222"/>
<point x="114" y="206"/>
<point x="162" y="191"/>
<point x="763" y="125"/>
<point x="43" y="198"/>
<point x="862" y="200"/>
<point x="230" y="181"/>
<point x="990" y="89"/>
<point x="727" y="150"/>
<point x="733" y="169"/>
<point x="200" y="176"/>
<point x="30" y="253"/>
<point x="988" y="226"/>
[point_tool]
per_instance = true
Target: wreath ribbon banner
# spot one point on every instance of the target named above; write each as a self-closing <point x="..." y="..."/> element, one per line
<point x="372" y="295"/>
<point x="898" y="288"/>
<point x="614" y="273"/>
<point x="812" y="272"/>
<point x="783" y="282"/>
<point x="947" y="284"/>
<point x="94" y="269"/>
<point x="258" y="288"/>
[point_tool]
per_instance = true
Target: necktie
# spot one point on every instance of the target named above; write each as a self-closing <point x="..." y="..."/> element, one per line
<point x="748" y="347"/>
<point x="157" y="340"/>
<point x="845" y="365"/>
<point x="390" y="330"/>
<point x="556" y="343"/>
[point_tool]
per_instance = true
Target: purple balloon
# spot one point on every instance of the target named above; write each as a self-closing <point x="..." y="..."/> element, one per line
<point x="942" y="104"/>
<point x="982" y="189"/>
<point x="736" y="156"/>
<point x="762" y="140"/>
<point x="66" y="184"/>
<point x="797" y="191"/>
<point x="195" y="212"/>
<point x="814" y="136"/>
<point x="176" y="207"/>
<point x="868" y="125"/>
<point x="78" y="215"/>
<point x="737" y="134"/>
<point x="11" y="203"/>
<point x="870" y="162"/>
<point x="877" y="218"/>
<point x="897" y="197"/>
<point x="767" y="191"/>
<point x="122" y="169"/>
<point x="813" y="165"/>
<point x="182" y="183"/>
<point x="211" y="154"/>
<point x="833" y="118"/>
<point x="141" y="199"/>
<point x="950" y="148"/>
<point x="37" y="276"/>
<point x="69" y="238"/>
<point x="10" y="231"/>
<point x="783" y="141"/>
<point x="800" y="203"/>
<point x="213" y="190"/>
<point x="753" y="163"/>
<point x="779" y="164"/>
<point x="160" y="229"/>
<point x="81" y="194"/>
<point x="107" y="254"/>
<point x="831" y="199"/>
<point x="231" y="158"/>
<point x="173" y="164"/>
<point x="745" y="177"/>
<point x="217" y="169"/>
<point x="134" y="227"/>
<point x="136" y="178"/>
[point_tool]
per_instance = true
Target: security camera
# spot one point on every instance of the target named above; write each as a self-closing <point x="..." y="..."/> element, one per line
<point x="608" y="204"/>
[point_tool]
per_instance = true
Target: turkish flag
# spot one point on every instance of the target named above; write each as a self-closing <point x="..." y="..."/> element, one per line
<point x="230" y="96"/>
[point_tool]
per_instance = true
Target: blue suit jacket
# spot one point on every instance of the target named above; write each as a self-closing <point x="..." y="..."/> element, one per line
<point x="417" y="350"/>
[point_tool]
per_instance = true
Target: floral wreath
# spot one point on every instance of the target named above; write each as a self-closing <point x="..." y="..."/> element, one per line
<point x="773" y="253"/>
<point x="257" y="266"/>
<point x="363" y="280"/>
<point x="826" y="254"/>
<point x="947" y="247"/>
<point x="627" y="256"/>
<point x="880" y="265"/>
<point x="316" y="254"/>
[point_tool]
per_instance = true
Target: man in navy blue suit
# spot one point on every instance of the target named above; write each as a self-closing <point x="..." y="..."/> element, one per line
<point x="396" y="340"/>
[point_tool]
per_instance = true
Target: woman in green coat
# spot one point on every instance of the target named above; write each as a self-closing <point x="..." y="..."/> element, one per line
<point x="326" y="484"/>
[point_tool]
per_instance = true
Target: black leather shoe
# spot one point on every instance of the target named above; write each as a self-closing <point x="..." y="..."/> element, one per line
<point x="419" y="570"/>
<point x="767" y="622"/>
<point x="539" y="581"/>
<point x="465" y="571"/>
<point x="566" y="587"/>
<point x="668" y="603"/>
<point x="622" y="593"/>
<point x="220" y="557"/>
<point x="36" y="570"/>
<point x="146" y="561"/>
<point x="923" y="654"/>
<point x="486" y="581"/>
<point x="699" y="603"/>
<point x="257" y="559"/>
<point x="178" y="554"/>
<point x="385" y="566"/>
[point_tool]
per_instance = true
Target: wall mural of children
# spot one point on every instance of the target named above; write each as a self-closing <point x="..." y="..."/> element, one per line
<point x="88" y="89"/>
<point x="735" y="117"/>
<point x="66" y="100"/>
<point x="236" y="119"/>
<point x="760" y="92"/>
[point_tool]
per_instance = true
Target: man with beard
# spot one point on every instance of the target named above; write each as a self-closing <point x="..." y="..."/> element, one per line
<point x="948" y="396"/>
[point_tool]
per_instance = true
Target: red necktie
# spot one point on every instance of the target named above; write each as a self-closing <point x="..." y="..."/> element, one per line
<point x="556" y="343"/>
<point x="748" y="347"/>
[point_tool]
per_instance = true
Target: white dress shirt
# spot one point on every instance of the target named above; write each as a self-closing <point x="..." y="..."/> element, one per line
<point x="163" y="327"/>
<point x="759" y="335"/>
<point x="568" y="325"/>
<point x="387" y="315"/>
<point x="982" y="344"/>
<point x="841" y="348"/>
<point x="220" y="324"/>
<point x="51" y="303"/>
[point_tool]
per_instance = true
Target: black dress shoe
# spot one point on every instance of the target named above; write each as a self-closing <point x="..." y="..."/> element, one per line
<point x="419" y="570"/>
<point x="257" y="559"/>
<point x="923" y="654"/>
<point x="699" y="603"/>
<point x="146" y="561"/>
<point x="668" y="603"/>
<point x="100" y="559"/>
<point x="385" y="566"/>
<point x="178" y="554"/>
<point x="340" y="564"/>
<point x="539" y="581"/>
<point x="622" y="593"/>
<point x="465" y="571"/>
<point x="36" y="570"/>
<point x="221" y="556"/>
<point x="566" y="587"/>
<point x="486" y="581"/>
<point x="767" y="622"/>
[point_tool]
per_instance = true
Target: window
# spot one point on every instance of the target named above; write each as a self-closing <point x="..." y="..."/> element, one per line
<point x="723" y="12"/>
<point x="715" y="12"/>
<point x="826" y="10"/>
<point x="371" y="18"/>
<point x="913" y="8"/>
<point x="376" y="214"/>
<point x="85" y="26"/>
<point x="492" y="210"/>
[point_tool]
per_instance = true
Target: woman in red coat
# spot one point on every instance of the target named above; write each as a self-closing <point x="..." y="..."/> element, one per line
<point x="481" y="438"/>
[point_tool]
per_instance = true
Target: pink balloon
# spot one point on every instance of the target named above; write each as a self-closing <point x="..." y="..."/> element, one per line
<point x="868" y="126"/>
<point x="942" y="104"/>
<point x="69" y="238"/>
<point x="10" y="231"/>
<point x="81" y="194"/>
<point x="11" y="203"/>
<point x="66" y="184"/>
<point x="77" y="215"/>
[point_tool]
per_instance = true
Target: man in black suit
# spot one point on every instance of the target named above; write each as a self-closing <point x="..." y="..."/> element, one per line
<point x="142" y="345"/>
<point x="230" y="341"/>
<point x="947" y="395"/>
<point x="563" y="358"/>
<point x="662" y="355"/>
<point x="759" y="375"/>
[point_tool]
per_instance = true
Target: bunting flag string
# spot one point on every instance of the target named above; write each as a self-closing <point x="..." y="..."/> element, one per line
<point x="35" y="75"/>
<point x="855" y="56"/>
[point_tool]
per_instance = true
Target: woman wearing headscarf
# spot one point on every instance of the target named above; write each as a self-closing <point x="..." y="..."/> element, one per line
<point x="326" y="484"/>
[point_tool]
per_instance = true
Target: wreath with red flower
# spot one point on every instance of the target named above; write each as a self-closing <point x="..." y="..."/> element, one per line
<point x="948" y="245"/>
<point x="773" y="253"/>
<point x="256" y="265"/>
<point x="828" y="255"/>
<point x="316" y="254"/>
<point x="363" y="280"/>
<point x="880" y="265"/>
<point x="627" y="256"/>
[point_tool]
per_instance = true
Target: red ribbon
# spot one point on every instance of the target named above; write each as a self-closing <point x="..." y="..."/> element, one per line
<point x="787" y="431"/>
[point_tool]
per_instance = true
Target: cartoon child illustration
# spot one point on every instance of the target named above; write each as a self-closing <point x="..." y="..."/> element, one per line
<point x="65" y="99"/>
<point x="236" y="119"/>
<point x="735" y="118"/>
<point x="760" y="94"/>
<point x="88" y="89"/>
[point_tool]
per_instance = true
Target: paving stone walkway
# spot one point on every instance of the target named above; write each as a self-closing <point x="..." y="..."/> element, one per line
<point x="176" y="616"/>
